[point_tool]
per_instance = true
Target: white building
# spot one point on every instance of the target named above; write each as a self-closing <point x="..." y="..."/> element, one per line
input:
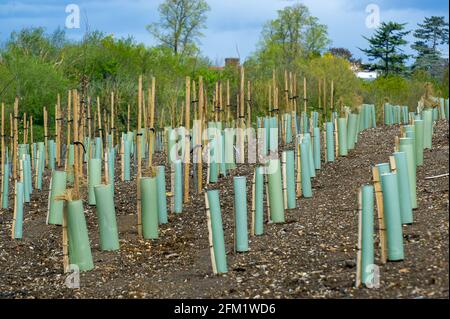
<point x="367" y="75"/>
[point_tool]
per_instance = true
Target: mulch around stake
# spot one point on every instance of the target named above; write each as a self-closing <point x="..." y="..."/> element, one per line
<point x="312" y="255"/>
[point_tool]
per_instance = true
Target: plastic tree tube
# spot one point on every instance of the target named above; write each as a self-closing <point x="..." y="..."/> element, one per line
<point x="290" y="182"/>
<point x="178" y="180"/>
<point x="419" y="142"/>
<point x="307" y="141"/>
<point x="149" y="204"/>
<point x="316" y="148"/>
<point x="18" y="207"/>
<point x="259" y="200"/>
<point x="367" y="248"/>
<point x="79" y="247"/>
<point x="275" y="191"/>
<point x="427" y="129"/>
<point x="70" y="162"/>
<point x="351" y="131"/>
<point x="56" y="207"/>
<point x="306" y="178"/>
<point x="406" y="145"/>
<point x="240" y="213"/>
<point x="342" y="136"/>
<point x="162" y="199"/>
<point x="94" y="178"/>
<point x="218" y="240"/>
<point x="106" y="214"/>
<point x="403" y="187"/>
<point x="383" y="168"/>
<point x="5" y="187"/>
<point x="126" y="160"/>
<point x="111" y="158"/>
<point x="330" y="141"/>
<point x="393" y="221"/>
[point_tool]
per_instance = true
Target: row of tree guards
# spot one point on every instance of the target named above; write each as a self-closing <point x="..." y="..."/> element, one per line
<point x="84" y="167"/>
<point x="394" y="187"/>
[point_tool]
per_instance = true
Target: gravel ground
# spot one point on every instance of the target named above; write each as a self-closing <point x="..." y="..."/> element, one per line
<point x="312" y="255"/>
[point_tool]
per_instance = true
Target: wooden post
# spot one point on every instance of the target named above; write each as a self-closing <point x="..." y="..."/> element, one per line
<point x="200" y="136"/>
<point x="25" y="129"/>
<point x="76" y="146"/>
<point x="325" y="96"/>
<point x="286" y="91"/>
<point x="380" y="210"/>
<point x="332" y="96"/>
<point x="139" y="167"/>
<point x="249" y="100"/>
<point x="3" y="148"/>
<point x="16" y="138"/>
<point x="242" y="117"/>
<point x="228" y="103"/>
<point x="128" y="118"/>
<point x="210" y="236"/>
<point x="68" y="141"/>
<point x="46" y="135"/>
<point x="113" y="128"/>
<point x="152" y="124"/>
<point x="187" y="149"/>
<point x="58" y="119"/>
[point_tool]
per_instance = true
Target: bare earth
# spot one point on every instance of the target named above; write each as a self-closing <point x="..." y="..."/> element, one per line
<point x="312" y="255"/>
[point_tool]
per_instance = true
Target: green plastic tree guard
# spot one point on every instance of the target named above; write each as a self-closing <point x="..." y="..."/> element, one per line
<point x="275" y="191"/>
<point x="111" y="162"/>
<point x="383" y="168"/>
<point x="406" y="145"/>
<point x="106" y="214"/>
<point x="367" y="248"/>
<point x="288" y="128"/>
<point x="162" y="199"/>
<point x="342" y="136"/>
<point x="403" y="187"/>
<point x="51" y="154"/>
<point x="70" y="163"/>
<point x="392" y="216"/>
<point x="351" y="131"/>
<point x="41" y="164"/>
<point x="28" y="173"/>
<point x="79" y="247"/>
<point x="306" y="177"/>
<point x="19" y="210"/>
<point x="126" y="160"/>
<point x="26" y="185"/>
<point x="220" y="256"/>
<point x="307" y="141"/>
<point x="427" y="129"/>
<point x="290" y="179"/>
<point x="178" y="181"/>
<point x="149" y="205"/>
<point x="98" y="148"/>
<point x="56" y="207"/>
<point x="213" y="166"/>
<point x="229" y="150"/>
<point x="330" y="141"/>
<point x="240" y="214"/>
<point x="5" y="181"/>
<point x="259" y="200"/>
<point x="316" y="148"/>
<point x="419" y="142"/>
<point x="94" y="178"/>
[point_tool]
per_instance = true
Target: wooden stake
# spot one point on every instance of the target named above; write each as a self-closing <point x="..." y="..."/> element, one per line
<point x="46" y="135"/>
<point x="139" y="168"/>
<point x="76" y="146"/>
<point x="210" y="235"/>
<point x="380" y="210"/>
<point x="152" y="124"/>
<point x="200" y="136"/>
<point x="16" y="138"/>
<point x="58" y="119"/>
<point x="187" y="149"/>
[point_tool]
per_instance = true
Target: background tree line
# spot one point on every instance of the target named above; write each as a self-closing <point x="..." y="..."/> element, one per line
<point x="36" y="65"/>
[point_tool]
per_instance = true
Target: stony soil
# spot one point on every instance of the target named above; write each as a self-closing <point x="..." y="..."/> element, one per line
<point x="312" y="255"/>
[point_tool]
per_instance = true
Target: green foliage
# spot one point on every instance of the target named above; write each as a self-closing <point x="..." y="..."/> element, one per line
<point x="293" y="35"/>
<point x="385" y="48"/>
<point x="180" y="25"/>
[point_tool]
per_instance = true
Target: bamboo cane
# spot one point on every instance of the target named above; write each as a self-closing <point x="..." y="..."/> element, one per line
<point x="139" y="167"/>
<point x="25" y="129"/>
<point x="58" y="130"/>
<point x="152" y="123"/>
<point x="46" y="135"/>
<point x="76" y="146"/>
<point x="200" y="136"/>
<point x="380" y="210"/>
<point x="187" y="144"/>
<point x="16" y="138"/>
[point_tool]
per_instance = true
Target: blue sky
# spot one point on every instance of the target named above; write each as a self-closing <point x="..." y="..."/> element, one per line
<point x="233" y="25"/>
